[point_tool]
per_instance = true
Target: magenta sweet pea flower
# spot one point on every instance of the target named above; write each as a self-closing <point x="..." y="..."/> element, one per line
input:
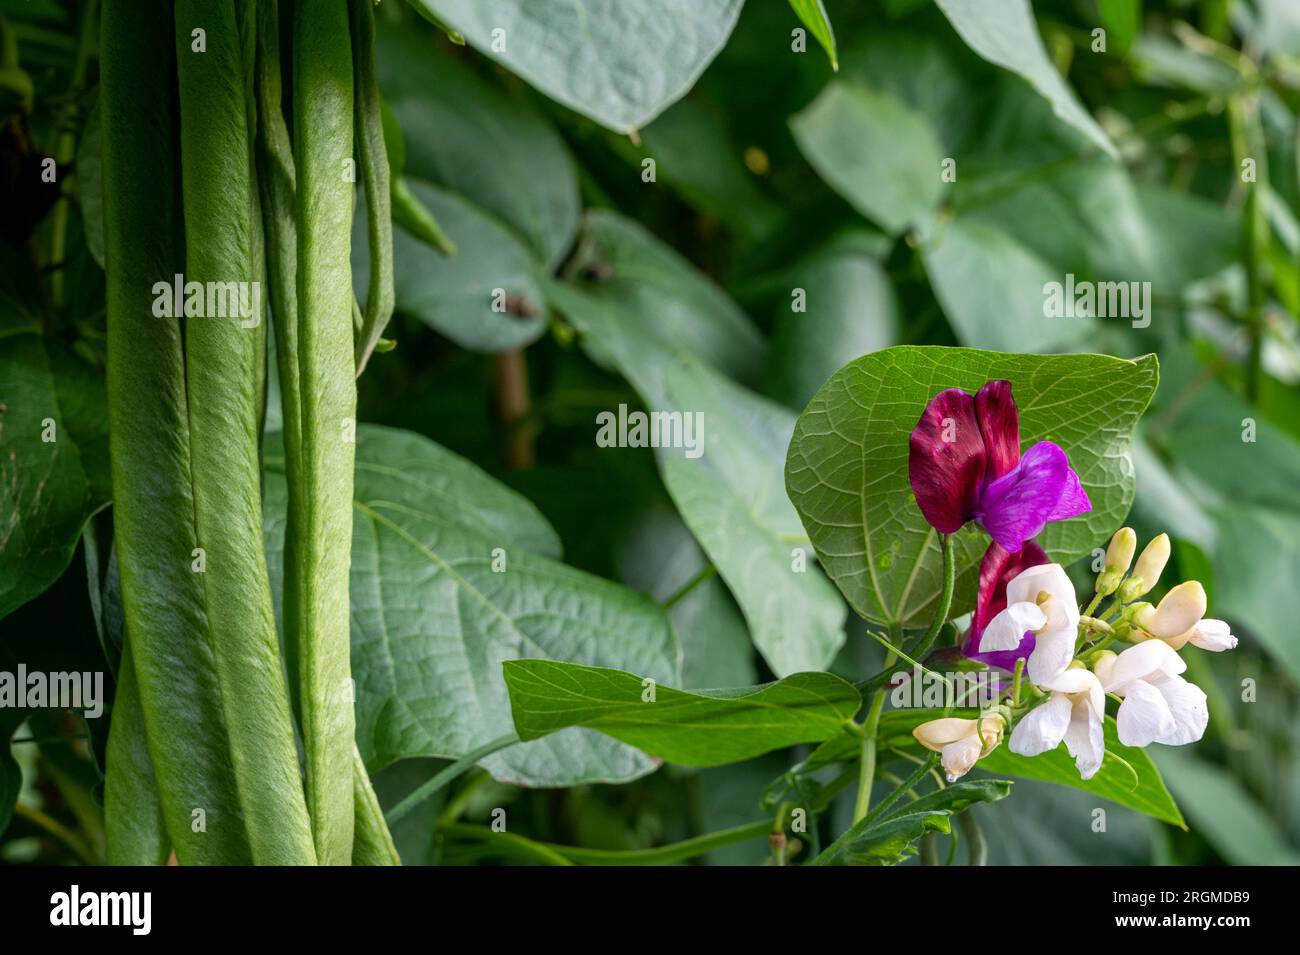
<point x="998" y="568"/>
<point x="965" y="465"/>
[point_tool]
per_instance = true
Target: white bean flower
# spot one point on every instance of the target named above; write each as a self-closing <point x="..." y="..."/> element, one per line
<point x="1040" y="599"/>
<point x="1159" y="705"/>
<point x="1074" y="714"/>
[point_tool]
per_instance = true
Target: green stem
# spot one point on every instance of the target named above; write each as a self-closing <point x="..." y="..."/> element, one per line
<point x="917" y="775"/>
<point x="867" y="763"/>
<point x="977" y="848"/>
<point x="1248" y="142"/>
<point x="1092" y="605"/>
<point x="457" y="805"/>
<point x="452" y="772"/>
<point x="520" y="845"/>
<point x="707" y="573"/>
<point x="896" y="652"/>
<point x="676" y="852"/>
<point x="58" y="830"/>
<point x="867" y="766"/>
<point x="67" y="144"/>
<point x="945" y="598"/>
<point x="930" y="849"/>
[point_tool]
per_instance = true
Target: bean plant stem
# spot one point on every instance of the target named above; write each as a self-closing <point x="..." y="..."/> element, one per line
<point x="705" y="574"/>
<point x="67" y="143"/>
<point x="917" y="775"/>
<point x="448" y="775"/>
<point x="975" y="845"/>
<point x="59" y="831"/>
<point x="867" y="766"/>
<point x="945" y="598"/>
<point x="568" y="855"/>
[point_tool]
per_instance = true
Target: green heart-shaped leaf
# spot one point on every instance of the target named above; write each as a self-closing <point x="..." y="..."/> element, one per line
<point x="846" y="470"/>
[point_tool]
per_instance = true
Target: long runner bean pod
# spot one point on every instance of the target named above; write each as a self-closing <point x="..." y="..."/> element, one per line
<point x="275" y="180"/>
<point x="323" y="117"/>
<point x="221" y="367"/>
<point x="373" y="843"/>
<point x="170" y="653"/>
<point x="133" y="815"/>
<point x="375" y="177"/>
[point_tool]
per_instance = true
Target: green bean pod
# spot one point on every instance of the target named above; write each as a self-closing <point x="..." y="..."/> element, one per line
<point x="323" y="118"/>
<point x="133" y="813"/>
<point x="373" y="843"/>
<point x="149" y="435"/>
<point x="275" y="181"/>
<point x="375" y="177"/>
<point x="221" y="354"/>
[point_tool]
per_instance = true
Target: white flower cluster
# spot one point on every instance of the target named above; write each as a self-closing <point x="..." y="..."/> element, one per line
<point x="1071" y="670"/>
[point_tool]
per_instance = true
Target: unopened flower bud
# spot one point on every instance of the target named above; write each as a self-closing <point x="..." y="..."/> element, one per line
<point x="1101" y="660"/>
<point x="1180" y="610"/>
<point x="960" y="742"/>
<point x="1148" y="570"/>
<point x="1118" y="556"/>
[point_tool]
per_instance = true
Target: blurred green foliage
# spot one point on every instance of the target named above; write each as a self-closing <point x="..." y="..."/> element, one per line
<point x="1162" y="150"/>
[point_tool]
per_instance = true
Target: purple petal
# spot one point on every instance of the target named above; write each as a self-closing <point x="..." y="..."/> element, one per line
<point x="946" y="460"/>
<point x="999" y="423"/>
<point x="1041" y="488"/>
<point x="1006" y="659"/>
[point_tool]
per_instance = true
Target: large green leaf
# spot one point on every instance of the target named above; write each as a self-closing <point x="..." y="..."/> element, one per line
<point x="696" y="156"/>
<point x="1004" y="33"/>
<point x="463" y="134"/>
<point x="990" y="285"/>
<point x="48" y="488"/>
<point x="847" y="466"/>
<point x="658" y="556"/>
<point x="432" y="620"/>
<point x="1147" y="793"/>
<point x="1256" y="566"/>
<point x="1224" y="813"/>
<point x="875" y="151"/>
<point x="1090" y="218"/>
<point x="701" y="728"/>
<point x="1223" y="445"/>
<point x="849" y="309"/>
<point x="487" y="297"/>
<point x="730" y="495"/>
<point x="1167" y="504"/>
<point x="675" y="304"/>
<point x="619" y="63"/>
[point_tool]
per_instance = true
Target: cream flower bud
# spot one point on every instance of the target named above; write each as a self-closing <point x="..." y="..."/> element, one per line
<point x="1101" y="661"/>
<point x="1120" y="552"/>
<point x="1148" y="570"/>
<point x="960" y="742"/>
<point x="1178" y="612"/>
<point x="1118" y="556"/>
